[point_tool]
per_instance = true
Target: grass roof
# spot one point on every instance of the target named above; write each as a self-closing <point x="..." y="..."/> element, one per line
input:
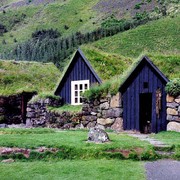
<point x="19" y="76"/>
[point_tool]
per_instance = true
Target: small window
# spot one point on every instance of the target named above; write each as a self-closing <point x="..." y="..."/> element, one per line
<point x="77" y="88"/>
<point x="145" y="85"/>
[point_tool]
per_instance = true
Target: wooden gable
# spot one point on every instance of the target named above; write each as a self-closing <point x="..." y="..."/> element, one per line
<point x="78" y="69"/>
<point x="144" y="98"/>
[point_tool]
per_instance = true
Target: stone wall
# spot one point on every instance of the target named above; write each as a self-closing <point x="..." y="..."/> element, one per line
<point x="104" y="113"/>
<point x="173" y="113"/>
<point x="37" y="112"/>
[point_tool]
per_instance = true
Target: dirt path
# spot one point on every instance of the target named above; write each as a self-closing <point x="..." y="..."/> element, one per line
<point x="163" y="170"/>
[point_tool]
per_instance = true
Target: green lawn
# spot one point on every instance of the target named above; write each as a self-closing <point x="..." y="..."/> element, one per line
<point x="59" y="139"/>
<point x="85" y="170"/>
<point x="171" y="138"/>
<point x="74" y="145"/>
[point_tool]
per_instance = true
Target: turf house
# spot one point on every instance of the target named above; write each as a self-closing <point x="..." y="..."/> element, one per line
<point x="78" y="77"/>
<point x="144" y="98"/>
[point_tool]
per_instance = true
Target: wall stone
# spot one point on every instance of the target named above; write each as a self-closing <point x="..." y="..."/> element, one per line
<point x="97" y="113"/>
<point x="173" y="113"/>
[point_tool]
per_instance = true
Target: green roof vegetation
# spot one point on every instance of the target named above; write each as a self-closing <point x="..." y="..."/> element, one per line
<point x="16" y="77"/>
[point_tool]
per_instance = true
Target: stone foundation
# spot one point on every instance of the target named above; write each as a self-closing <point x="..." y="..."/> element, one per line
<point x="173" y="113"/>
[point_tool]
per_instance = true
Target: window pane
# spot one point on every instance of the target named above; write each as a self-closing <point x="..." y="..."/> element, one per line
<point x="81" y="87"/>
<point x="80" y="100"/>
<point x="76" y="93"/>
<point x="76" y="86"/>
<point x="85" y="86"/>
<point x="76" y="100"/>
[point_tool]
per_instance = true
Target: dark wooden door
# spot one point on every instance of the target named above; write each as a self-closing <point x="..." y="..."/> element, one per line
<point x="145" y="112"/>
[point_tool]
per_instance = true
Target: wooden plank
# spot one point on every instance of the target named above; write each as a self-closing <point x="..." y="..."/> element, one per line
<point x="128" y="109"/>
<point x="154" y="104"/>
<point x="124" y="111"/>
<point x="164" y="114"/>
<point x="137" y="104"/>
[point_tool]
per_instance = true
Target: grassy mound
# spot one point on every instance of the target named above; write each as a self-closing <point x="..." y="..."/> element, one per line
<point x="16" y="77"/>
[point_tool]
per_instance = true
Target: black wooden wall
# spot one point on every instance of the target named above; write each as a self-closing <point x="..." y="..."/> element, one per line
<point x="131" y="104"/>
<point x="78" y="70"/>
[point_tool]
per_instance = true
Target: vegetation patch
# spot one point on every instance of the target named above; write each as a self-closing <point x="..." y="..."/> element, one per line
<point x="171" y="138"/>
<point x="68" y="169"/>
<point x="66" y="108"/>
<point x="16" y="77"/>
<point x="173" y="87"/>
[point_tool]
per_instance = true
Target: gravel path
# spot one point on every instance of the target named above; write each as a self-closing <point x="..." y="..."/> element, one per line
<point x="163" y="170"/>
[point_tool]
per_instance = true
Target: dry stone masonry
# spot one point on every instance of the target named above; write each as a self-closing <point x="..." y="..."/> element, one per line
<point x="173" y="113"/>
<point x="104" y="113"/>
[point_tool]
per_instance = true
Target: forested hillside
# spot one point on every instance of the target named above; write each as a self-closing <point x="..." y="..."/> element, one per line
<point x="112" y="33"/>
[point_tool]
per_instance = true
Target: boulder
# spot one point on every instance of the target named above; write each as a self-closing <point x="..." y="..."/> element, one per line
<point x="115" y="101"/>
<point x="172" y="111"/>
<point x="173" y="126"/>
<point x="104" y="122"/>
<point x="97" y="135"/>
<point x="104" y="105"/>
<point x="8" y="160"/>
<point x="118" y="125"/>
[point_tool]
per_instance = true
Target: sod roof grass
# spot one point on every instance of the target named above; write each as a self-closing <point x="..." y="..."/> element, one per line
<point x="19" y="76"/>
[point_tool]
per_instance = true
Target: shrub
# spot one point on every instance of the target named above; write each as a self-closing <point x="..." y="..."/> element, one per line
<point x="49" y="33"/>
<point x="173" y="87"/>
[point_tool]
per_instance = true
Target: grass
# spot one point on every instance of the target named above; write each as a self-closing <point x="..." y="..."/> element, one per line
<point x="92" y="169"/>
<point x="107" y="65"/>
<point x="16" y="77"/>
<point x="171" y="138"/>
<point x="74" y="145"/>
<point x="76" y="15"/>
<point x="66" y="108"/>
<point x="159" y="36"/>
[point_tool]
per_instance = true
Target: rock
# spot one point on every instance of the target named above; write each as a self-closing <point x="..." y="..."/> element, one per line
<point x="117" y="125"/>
<point x="169" y="98"/>
<point x="97" y="135"/>
<point x="89" y="118"/>
<point x="104" y="122"/>
<point x="104" y="105"/>
<point x="68" y="126"/>
<point x="8" y="160"/>
<point x="177" y="100"/>
<point x="100" y="126"/>
<point x="112" y="113"/>
<point x="172" y="105"/>
<point x="172" y="111"/>
<point x="28" y="123"/>
<point x="173" y="126"/>
<point x="169" y="117"/>
<point x="115" y="101"/>
<point x="3" y="126"/>
<point x="93" y="113"/>
<point x="91" y="125"/>
<point x="179" y="109"/>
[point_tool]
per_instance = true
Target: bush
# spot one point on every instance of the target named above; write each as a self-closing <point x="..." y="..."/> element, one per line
<point x="173" y="87"/>
<point x="49" y="33"/>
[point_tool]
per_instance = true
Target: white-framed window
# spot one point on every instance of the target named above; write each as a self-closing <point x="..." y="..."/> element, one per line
<point x="77" y="87"/>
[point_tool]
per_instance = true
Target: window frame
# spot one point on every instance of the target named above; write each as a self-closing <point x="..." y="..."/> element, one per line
<point x="78" y="84"/>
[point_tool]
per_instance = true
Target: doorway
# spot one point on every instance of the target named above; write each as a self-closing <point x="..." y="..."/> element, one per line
<point x="145" y="112"/>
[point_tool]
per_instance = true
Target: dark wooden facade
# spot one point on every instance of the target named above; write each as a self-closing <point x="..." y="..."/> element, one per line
<point x="144" y="99"/>
<point x="78" y="69"/>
